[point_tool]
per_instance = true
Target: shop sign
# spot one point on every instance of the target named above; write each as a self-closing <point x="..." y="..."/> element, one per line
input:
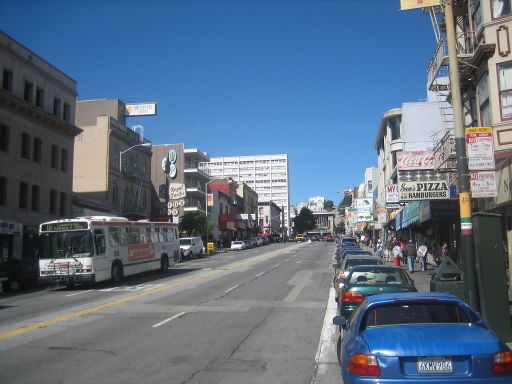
<point x="483" y="184"/>
<point x="445" y="152"/>
<point x="422" y="187"/>
<point x="480" y="149"/>
<point x="415" y="160"/>
<point x="382" y="215"/>
<point x="392" y="195"/>
<point x="12" y="228"/>
<point x="209" y="199"/>
<point x="177" y="191"/>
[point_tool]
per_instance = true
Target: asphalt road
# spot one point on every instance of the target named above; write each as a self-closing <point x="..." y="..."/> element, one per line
<point x="251" y="316"/>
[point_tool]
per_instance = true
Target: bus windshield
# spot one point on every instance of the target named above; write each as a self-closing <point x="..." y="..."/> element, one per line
<point x="66" y="244"/>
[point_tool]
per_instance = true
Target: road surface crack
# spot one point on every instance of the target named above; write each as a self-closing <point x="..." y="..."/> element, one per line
<point x="254" y="329"/>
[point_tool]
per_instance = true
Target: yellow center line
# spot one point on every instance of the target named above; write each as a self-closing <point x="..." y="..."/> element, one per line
<point x="97" y="308"/>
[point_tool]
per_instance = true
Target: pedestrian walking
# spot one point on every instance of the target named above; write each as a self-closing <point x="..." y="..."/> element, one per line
<point x="387" y="250"/>
<point x="422" y="255"/>
<point x="397" y="253"/>
<point x="379" y="250"/>
<point x="411" y="255"/>
<point x="403" y="245"/>
<point x="444" y="250"/>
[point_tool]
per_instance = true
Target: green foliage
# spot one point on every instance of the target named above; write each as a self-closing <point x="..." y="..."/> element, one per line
<point x="329" y="205"/>
<point x="304" y="221"/>
<point x="346" y="202"/>
<point x="193" y="224"/>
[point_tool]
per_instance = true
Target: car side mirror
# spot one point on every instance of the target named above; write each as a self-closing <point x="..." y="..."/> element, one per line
<point x="340" y="320"/>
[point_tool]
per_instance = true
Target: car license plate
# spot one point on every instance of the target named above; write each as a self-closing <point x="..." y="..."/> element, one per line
<point x="435" y="365"/>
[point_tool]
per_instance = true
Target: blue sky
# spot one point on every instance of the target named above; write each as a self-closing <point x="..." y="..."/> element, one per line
<point x="310" y="78"/>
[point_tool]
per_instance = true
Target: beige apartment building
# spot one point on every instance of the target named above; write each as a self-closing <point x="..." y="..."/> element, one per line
<point x="37" y="131"/>
<point x="483" y="29"/>
<point x="112" y="164"/>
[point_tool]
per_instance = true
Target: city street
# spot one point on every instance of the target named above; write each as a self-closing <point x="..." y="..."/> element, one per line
<point x="252" y="316"/>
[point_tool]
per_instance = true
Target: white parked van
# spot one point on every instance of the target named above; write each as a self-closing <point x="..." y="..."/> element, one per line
<point x="191" y="247"/>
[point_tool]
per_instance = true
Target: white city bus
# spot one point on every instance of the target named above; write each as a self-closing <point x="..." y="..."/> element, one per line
<point x="97" y="248"/>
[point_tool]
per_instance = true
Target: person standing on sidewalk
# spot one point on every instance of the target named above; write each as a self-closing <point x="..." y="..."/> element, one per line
<point x="379" y="250"/>
<point x="411" y="255"/>
<point x="397" y="253"/>
<point x="422" y="255"/>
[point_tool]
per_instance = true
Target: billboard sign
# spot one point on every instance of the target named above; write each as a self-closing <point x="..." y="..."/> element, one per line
<point x="140" y="109"/>
<point x="444" y="153"/>
<point x="392" y="195"/>
<point x="423" y="186"/>
<point x="480" y="149"/>
<point x="405" y="5"/>
<point x="415" y="160"/>
<point x="483" y="184"/>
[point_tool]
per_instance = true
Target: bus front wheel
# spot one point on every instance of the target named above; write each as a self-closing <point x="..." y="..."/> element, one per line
<point x="117" y="272"/>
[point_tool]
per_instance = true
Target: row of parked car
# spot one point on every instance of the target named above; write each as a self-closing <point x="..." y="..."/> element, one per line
<point x="389" y="332"/>
<point x="252" y="242"/>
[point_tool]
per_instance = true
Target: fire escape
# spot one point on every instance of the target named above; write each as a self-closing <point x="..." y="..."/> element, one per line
<point x="470" y="54"/>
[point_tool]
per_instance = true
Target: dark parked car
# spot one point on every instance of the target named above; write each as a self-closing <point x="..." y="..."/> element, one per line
<point x="367" y="280"/>
<point x="351" y="261"/>
<point x="420" y="338"/>
<point x="20" y="273"/>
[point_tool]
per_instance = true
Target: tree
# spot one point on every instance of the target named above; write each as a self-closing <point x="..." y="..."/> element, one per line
<point x="329" y="205"/>
<point x="304" y="221"/>
<point x="193" y="223"/>
<point x="346" y="202"/>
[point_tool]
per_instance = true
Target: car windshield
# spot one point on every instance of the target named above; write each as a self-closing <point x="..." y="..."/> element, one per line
<point x="238" y="242"/>
<point x="415" y="313"/>
<point x="379" y="276"/>
<point x="66" y="244"/>
<point x="185" y="241"/>
<point x="353" y="262"/>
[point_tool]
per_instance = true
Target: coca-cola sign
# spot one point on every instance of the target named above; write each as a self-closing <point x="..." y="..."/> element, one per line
<point x="415" y="160"/>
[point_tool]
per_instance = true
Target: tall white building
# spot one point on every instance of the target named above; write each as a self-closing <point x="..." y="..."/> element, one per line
<point x="267" y="174"/>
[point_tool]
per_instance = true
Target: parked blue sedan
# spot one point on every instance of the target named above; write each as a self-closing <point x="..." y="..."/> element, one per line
<point x="427" y="338"/>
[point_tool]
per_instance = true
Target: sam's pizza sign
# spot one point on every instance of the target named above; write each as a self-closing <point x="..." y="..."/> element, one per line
<point x="424" y="187"/>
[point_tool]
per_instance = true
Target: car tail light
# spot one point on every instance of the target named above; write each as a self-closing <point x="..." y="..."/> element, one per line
<point x="352" y="297"/>
<point x="364" y="365"/>
<point x="502" y="363"/>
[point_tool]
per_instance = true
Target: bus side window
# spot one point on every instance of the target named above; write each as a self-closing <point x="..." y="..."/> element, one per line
<point x="99" y="241"/>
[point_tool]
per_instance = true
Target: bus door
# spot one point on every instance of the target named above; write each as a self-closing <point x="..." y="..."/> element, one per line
<point x="102" y="261"/>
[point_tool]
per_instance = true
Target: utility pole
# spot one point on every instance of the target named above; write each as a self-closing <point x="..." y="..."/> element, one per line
<point x="466" y="238"/>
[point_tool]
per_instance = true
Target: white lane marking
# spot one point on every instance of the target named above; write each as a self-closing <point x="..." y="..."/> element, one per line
<point x="326" y="357"/>
<point x="206" y="269"/>
<point x="169" y="319"/>
<point x="275" y="266"/>
<point x="230" y="289"/>
<point x="79" y="293"/>
<point x="259" y="274"/>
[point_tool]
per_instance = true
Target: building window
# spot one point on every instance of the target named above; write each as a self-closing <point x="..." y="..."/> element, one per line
<point x="36" y="154"/>
<point x="35" y="197"/>
<point x="56" y="106"/>
<point x="64" y="160"/>
<point x="62" y="207"/>
<point x="23" y="195"/>
<point x="40" y="97"/>
<point x="505" y="89"/>
<point x="25" y="146"/>
<point x="7" y="80"/>
<point x="394" y="127"/>
<point x="500" y="8"/>
<point x="55" y="157"/>
<point x="66" y="112"/>
<point x="4" y="138"/>
<point x="483" y="101"/>
<point x="477" y="15"/>
<point x="53" y="201"/>
<point x="3" y="190"/>
<point x="28" y="91"/>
